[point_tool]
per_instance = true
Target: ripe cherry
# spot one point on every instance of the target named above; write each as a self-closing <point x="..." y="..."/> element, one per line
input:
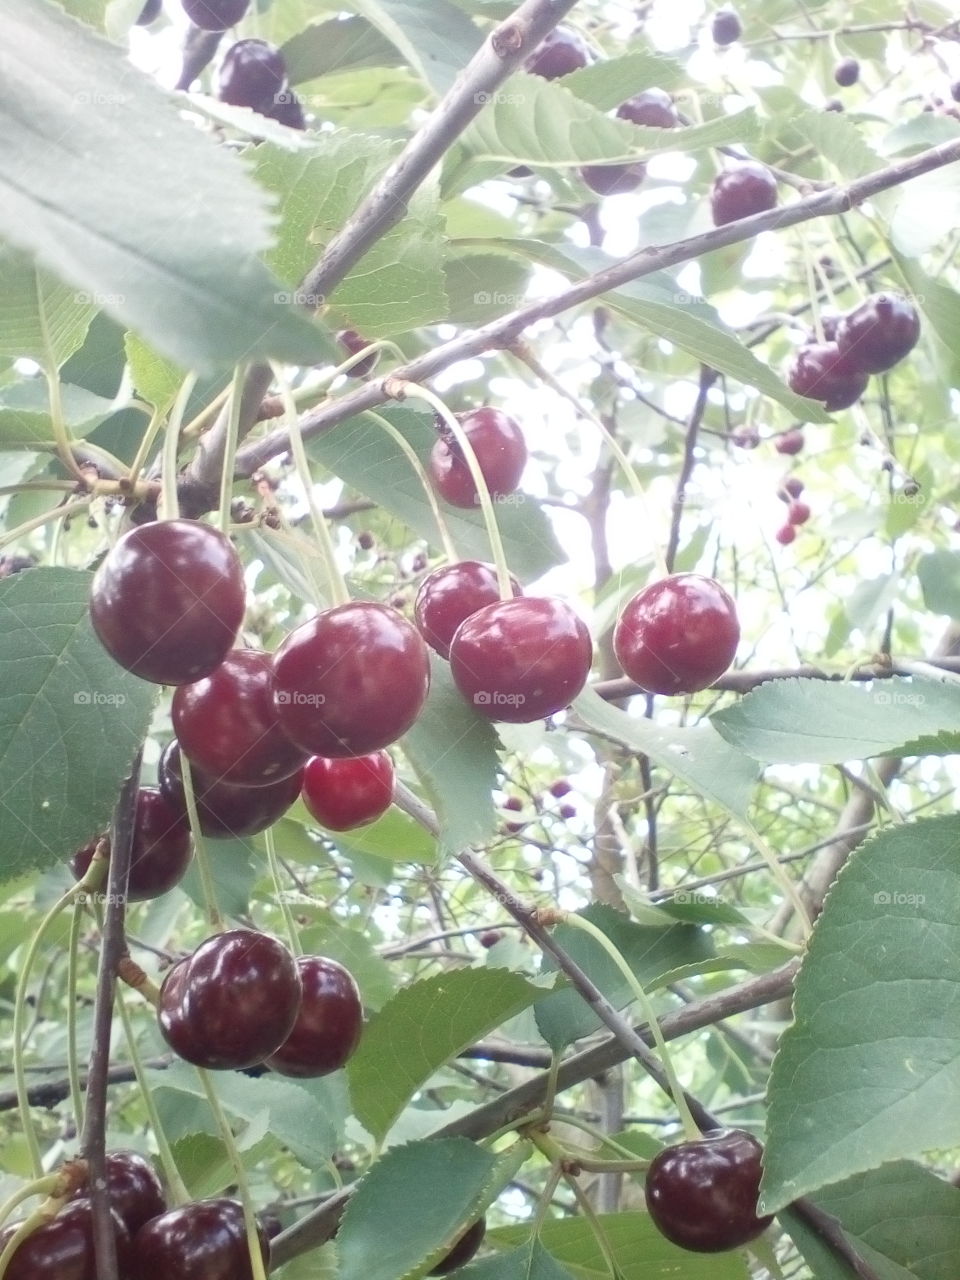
<point x="135" y="1191"/>
<point x="879" y="333"/>
<point x="489" y="938"/>
<point x="785" y="534"/>
<point x="226" y="812"/>
<point x="232" y="1002"/>
<point x="351" y="681"/>
<point x="702" y="1195"/>
<point x="463" y="1250"/>
<point x="501" y="452"/>
<point x="567" y="811"/>
<point x="215" y="15"/>
<point x="559" y="53"/>
<point x="452" y="593"/>
<point x="329" y="1021"/>
<point x="653" y="108"/>
<point x="353" y="343"/>
<point x="726" y="26"/>
<point x="227" y="725"/>
<point x="678" y="635"/>
<point x="149" y="13"/>
<point x="798" y="513"/>
<point x="252" y="73"/>
<point x="161" y="849"/>
<point x="790" y="443"/>
<point x="168" y="600"/>
<point x="738" y="193"/>
<point x="560" y="788"/>
<point x="822" y="372"/>
<point x="62" y="1249"/>
<point x="846" y="72"/>
<point x="205" y="1240"/>
<point x="522" y="659"/>
<point x="348" y="793"/>
<point x="792" y="487"/>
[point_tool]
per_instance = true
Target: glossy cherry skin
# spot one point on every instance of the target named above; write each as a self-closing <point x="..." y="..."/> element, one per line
<point x="653" y="108"/>
<point x="822" y="372"/>
<point x="168" y="600"/>
<point x="135" y="1191"/>
<point x="702" y="1195"/>
<point x="501" y="452"/>
<point x="451" y="594"/>
<point x="677" y="635"/>
<point x="161" y="850"/>
<point x="353" y="343"/>
<point x="726" y="26"/>
<point x="62" y="1249"/>
<point x="559" y="53"/>
<point x="252" y="73"/>
<point x="232" y="1002"/>
<point x="790" y="443"/>
<point x="463" y="1250"/>
<point x="149" y="13"/>
<point x="522" y="659"/>
<point x="348" y="793"/>
<point x="846" y="72"/>
<point x="205" y="1240"/>
<point x="738" y="193"/>
<point x="226" y="812"/>
<point x="215" y="15"/>
<point x="879" y="333"/>
<point x="329" y="1021"/>
<point x="351" y="681"/>
<point x="227" y="725"/>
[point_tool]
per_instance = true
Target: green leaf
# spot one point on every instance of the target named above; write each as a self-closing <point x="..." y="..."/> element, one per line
<point x="868" y="1070"/>
<point x="434" y="37"/>
<point x="924" y="211"/>
<point x="483" y="286"/>
<point x="812" y="721"/>
<point x="25" y="421"/>
<point x="837" y="140"/>
<point x="70" y="725"/>
<point x="395" y="836"/>
<point x="191" y="285"/>
<point x="608" y="83"/>
<point x="40" y="317"/>
<point x="157" y="380"/>
<point x="420" y="1029"/>
<point x="651" y="952"/>
<point x="233" y="872"/>
<point x="205" y="1164"/>
<point x="323" y="48"/>
<point x="352" y="949"/>
<point x="940" y="305"/>
<point x="530" y="1262"/>
<point x="939" y="574"/>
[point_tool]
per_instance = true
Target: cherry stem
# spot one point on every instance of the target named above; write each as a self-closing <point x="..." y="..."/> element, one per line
<point x="168" y="507"/>
<point x="73" y="1062"/>
<point x="623" y="1152"/>
<point x="404" y="445"/>
<point x="779" y="874"/>
<point x="295" y="945"/>
<point x="230" y="446"/>
<point x="61" y="436"/>
<point x="382" y="344"/>
<point x="207" y="885"/>
<point x="336" y="586"/>
<point x="44" y="1186"/>
<point x="39" y="1218"/>
<point x="154" y="428"/>
<point x="63" y="512"/>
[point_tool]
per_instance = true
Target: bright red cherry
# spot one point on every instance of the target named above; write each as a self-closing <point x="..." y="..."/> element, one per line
<point x="846" y="72"/>
<point x="742" y="191"/>
<point x="653" y="108"/>
<point x="790" y="443"/>
<point x="62" y="1249"/>
<point x="353" y="343"/>
<point x="348" y="793"/>
<point x="328" y="1025"/>
<point x="168" y="600"/>
<point x="501" y="452"/>
<point x="677" y="635"/>
<point x="702" y="1195"/>
<point x="463" y="1250"/>
<point x="452" y="593"/>
<point x="232" y="1002"/>
<point x="252" y="74"/>
<point x="161" y="849"/>
<point x="227" y="725"/>
<point x="798" y="513"/>
<point x="522" y="659"/>
<point x="785" y="534"/>
<point x="879" y="333"/>
<point x="215" y="15"/>
<point x="135" y="1191"/>
<point x="351" y="681"/>
<point x="205" y="1240"/>
<point x="226" y="812"/>
<point x="726" y="26"/>
<point x="822" y="372"/>
<point x="559" y="53"/>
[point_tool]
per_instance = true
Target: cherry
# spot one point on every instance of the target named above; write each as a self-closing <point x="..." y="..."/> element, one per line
<point x="846" y="72"/>
<point x="366" y="541"/>
<point x="168" y="600"/>
<point x="822" y="372"/>
<point x="452" y="593"/>
<point x="790" y="443"/>
<point x="232" y="1002"/>
<point x="785" y="534"/>
<point x="653" y="108"/>
<point x="726" y="26"/>
<point x="226" y="811"/>
<point x="560" y="788"/>
<point x="501" y="452"/>
<point x="62" y="1249"/>
<point x="955" y="91"/>
<point x="343" y="794"/>
<point x="879" y="333"/>
<point x="792" y="487"/>
<point x="328" y="1025"/>
<point x="252" y="73"/>
<point x="559" y="53"/>
<point x="149" y="13"/>
<point x="489" y="938"/>
<point x="834" y="104"/>
<point x="9" y="565"/>
<point x="798" y="513"/>
<point x="745" y="437"/>
<point x="702" y="1195"/>
<point x="227" y="725"/>
<point x="161" y="849"/>
<point x="678" y="635"/>
<point x="205" y="1240"/>
<point x="737" y="193"/>
<point x="351" y="681"/>
<point x="354" y="342"/>
<point x="215" y="15"/>
<point x="567" y="811"/>
<point x="522" y="659"/>
<point x="135" y="1191"/>
<point x="463" y="1250"/>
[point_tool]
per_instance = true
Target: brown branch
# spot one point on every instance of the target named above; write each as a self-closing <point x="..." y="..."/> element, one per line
<point x="707" y="378"/>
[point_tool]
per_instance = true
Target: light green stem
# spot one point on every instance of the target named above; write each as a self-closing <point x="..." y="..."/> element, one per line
<point x="73" y="1061"/>
<point x="169" y="505"/>
<point x="289" y="921"/>
<point x="449" y="550"/>
<point x="230" y="446"/>
<point x="207" y="886"/>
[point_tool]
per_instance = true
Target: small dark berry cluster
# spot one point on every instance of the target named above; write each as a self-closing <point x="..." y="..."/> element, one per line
<point x="798" y="512"/>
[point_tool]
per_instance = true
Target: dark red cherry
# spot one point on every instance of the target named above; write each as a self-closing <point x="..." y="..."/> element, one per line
<point x="702" y="1195"/>
<point x="328" y="1025"/>
<point x="351" y="681"/>
<point x="232" y="1002"/>
<point x="560" y="788"/>
<point x="653" y="108"/>
<point x="490" y="937"/>
<point x="822" y="372"/>
<point x="879" y="333"/>
<point x="522" y="659"/>
<point x="62" y="1249"/>
<point x="149" y="13"/>
<point x="785" y="534"/>
<point x="226" y="812"/>
<point x="742" y="191"/>
<point x="215" y="15"/>
<point x="726" y="26"/>
<point x="452" y="593"/>
<point x="846" y="72"/>
<point x="463" y="1250"/>
<point x="252" y="74"/>
<point x="348" y="793"/>
<point x="168" y="600"/>
<point x="559" y="53"/>
<point x="790" y="443"/>
<point x="227" y="725"/>
<point x="678" y="635"/>
<point x="205" y="1240"/>
<point x="792" y="487"/>
<point x="353" y="343"/>
<point x="161" y="849"/>
<point x="501" y="452"/>
<point x="135" y="1191"/>
<point x="798" y="513"/>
